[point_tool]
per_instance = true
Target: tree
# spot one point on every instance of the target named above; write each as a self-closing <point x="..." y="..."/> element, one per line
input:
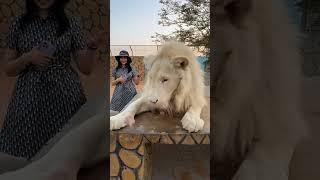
<point x="191" y="22"/>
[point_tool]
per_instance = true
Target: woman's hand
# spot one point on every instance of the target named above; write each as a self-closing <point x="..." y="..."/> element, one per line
<point x="85" y="59"/>
<point x="37" y="57"/>
<point x="136" y="80"/>
<point x="121" y="79"/>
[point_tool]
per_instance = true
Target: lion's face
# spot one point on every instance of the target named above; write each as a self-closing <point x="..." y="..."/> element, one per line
<point x="163" y="79"/>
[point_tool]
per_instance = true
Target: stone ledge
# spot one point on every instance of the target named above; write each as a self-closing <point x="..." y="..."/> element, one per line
<point x="130" y="147"/>
<point x="157" y="128"/>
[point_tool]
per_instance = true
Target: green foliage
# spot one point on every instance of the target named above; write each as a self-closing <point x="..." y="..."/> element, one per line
<point x="191" y="22"/>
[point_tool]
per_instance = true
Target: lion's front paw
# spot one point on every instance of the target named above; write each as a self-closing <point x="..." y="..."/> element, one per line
<point x="121" y="120"/>
<point x="192" y="122"/>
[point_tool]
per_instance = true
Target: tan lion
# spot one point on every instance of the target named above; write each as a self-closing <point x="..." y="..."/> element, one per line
<point x="257" y="113"/>
<point x="174" y="85"/>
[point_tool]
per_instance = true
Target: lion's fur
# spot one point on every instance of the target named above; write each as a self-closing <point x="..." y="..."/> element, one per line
<point x="258" y="93"/>
<point x="190" y="90"/>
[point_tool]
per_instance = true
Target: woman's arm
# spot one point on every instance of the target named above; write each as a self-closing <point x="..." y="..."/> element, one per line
<point x="85" y="60"/>
<point x="83" y="54"/>
<point x="118" y="80"/>
<point x="13" y="64"/>
<point x="136" y="79"/>
<point x="114" y="82"/>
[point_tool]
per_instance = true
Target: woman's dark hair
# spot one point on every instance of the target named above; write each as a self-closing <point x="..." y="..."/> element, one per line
<point x="57" y="9"/>
<point x="127" y="65"/>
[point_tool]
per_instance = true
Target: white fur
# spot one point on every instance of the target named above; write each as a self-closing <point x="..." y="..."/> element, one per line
<point x="182" y="92"/>
<point x="257" y="111"/>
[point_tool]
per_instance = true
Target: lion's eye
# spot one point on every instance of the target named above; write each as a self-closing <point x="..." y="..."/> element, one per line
<point x="164" y="80"/>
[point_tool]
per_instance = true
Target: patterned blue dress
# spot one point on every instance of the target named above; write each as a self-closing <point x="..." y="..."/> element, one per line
<point x="123" y="93"/>
<point x="43" y="99"/>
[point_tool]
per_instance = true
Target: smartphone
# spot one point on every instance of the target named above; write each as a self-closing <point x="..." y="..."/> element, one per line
<point x="124" y="76"/>
<point x="47" y="48"/>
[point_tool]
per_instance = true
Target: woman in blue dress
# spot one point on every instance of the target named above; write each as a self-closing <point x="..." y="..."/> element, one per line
<point x="125" y="78"/>
<point x="48" y="90"/>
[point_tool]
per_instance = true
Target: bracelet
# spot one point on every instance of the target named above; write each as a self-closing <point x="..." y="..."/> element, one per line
<point x="92" y="47"/>
<point x="25" y="59"/>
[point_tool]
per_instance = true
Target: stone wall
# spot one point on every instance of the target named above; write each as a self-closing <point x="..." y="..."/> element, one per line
<point x="95" y="16"/>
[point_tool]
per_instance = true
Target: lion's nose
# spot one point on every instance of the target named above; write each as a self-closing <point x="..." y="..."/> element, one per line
<point x="154" y="100"/>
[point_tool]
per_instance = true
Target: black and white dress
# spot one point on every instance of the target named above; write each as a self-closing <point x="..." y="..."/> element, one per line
<point x="43" y="99"/>
<point x="123" y="93"/>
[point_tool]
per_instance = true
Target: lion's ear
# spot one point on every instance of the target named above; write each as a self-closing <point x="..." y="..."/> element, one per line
<point x="181" y="62"/>
<point x="148" y="61"/>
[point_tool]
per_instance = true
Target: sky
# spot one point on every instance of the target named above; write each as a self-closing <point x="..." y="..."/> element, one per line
<point x="134" y="21"/>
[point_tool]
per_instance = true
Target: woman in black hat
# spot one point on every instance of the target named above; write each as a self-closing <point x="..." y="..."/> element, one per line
<point x="123" y="80"/>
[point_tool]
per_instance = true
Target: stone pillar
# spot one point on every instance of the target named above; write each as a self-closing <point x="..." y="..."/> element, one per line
<point x="130" y="154"/>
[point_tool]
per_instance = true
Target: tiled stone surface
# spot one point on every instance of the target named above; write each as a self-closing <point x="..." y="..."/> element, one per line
<point x="188" y="140"/>
<point x="130" y="158"/>
<point x="128" y="174"/>
<point x="114" y="165"/>
<point x="141" y="150"/>
<point x="177" y="138"/>
<point x="113" y="140"/>
<point x="133" y="160"/>
<point x="141" y="171"/>
<point x="129" y="142"/>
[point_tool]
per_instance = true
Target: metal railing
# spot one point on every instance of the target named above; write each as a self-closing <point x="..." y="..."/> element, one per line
<point x="143" y="50"/>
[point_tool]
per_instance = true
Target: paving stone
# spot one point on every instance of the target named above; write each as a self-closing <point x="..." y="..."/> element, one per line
<point x="128" y="174"/>
<point x="129" y="158"/>
<point x="114" y="165"/>
<point x="129" y="141"/>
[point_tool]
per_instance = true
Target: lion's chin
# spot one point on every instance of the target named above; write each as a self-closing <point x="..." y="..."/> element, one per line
<point x="164" y="109"/>
<point x="160" y="107"/>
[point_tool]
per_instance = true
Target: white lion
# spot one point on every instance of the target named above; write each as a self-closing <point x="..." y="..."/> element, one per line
<point x="257" y="113"/>
<point x="174" y="85"/>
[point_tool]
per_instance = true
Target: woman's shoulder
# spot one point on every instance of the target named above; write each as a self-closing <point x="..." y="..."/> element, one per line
<point x="15" y="20"/>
